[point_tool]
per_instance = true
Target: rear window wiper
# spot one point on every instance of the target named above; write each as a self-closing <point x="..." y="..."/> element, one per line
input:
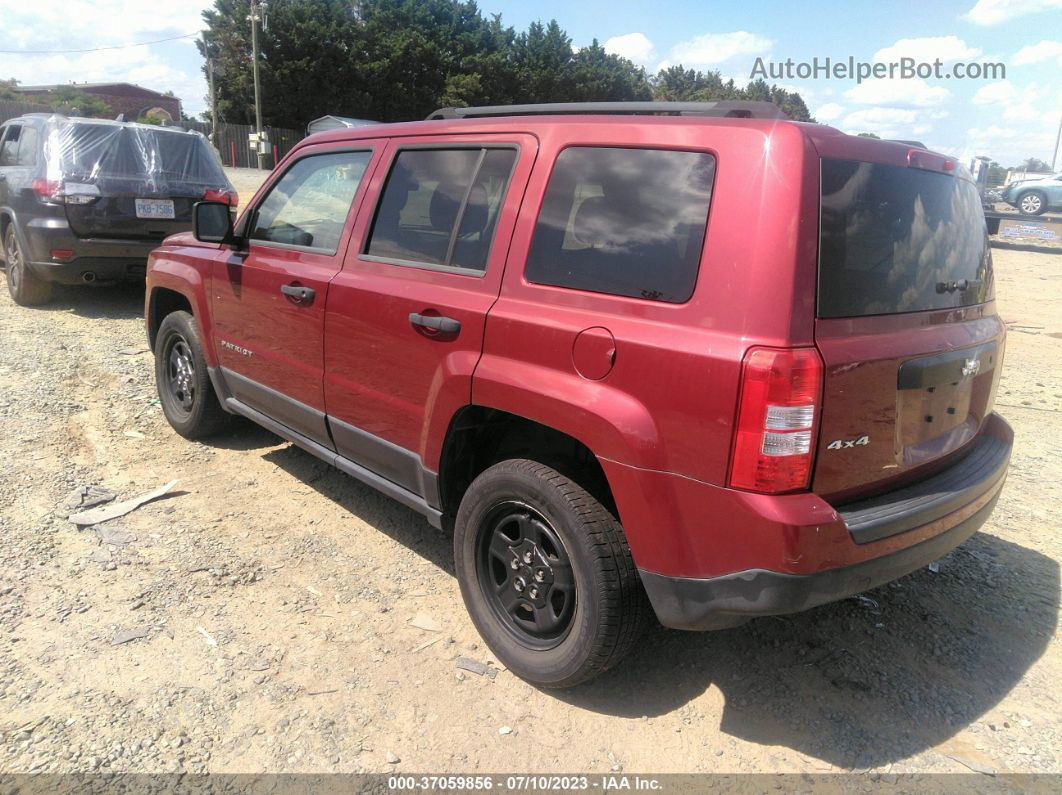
<point x="962" y="285"/>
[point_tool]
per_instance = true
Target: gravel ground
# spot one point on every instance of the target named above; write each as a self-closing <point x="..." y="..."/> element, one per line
<point x="271" y="614"/>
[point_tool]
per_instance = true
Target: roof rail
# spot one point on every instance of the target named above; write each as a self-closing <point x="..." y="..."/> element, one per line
<point x="742" y="109"/>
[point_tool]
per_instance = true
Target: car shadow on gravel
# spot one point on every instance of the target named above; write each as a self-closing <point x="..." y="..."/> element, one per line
<point x="113" y="302"/>
<point x="395" y="520"/>
<point x="860" y="683"/>
<point x="863" y="682"/>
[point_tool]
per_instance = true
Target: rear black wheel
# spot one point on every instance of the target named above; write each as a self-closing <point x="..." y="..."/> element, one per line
<point x="546" y="574"/>
<point x="183" y="383"/>
<point x="25" y="287"/>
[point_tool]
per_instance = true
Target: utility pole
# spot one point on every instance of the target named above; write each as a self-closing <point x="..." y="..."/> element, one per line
<point x="258" y="9"/>
<point x="211" y="67"/>
<point x="1058" y="137"/>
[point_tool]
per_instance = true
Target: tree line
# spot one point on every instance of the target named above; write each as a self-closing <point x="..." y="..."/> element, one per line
<point x="398" y="60"/>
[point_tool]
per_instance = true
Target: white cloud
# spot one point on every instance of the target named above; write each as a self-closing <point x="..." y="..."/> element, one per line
<point x="829" y="112"/>
<point x="1010" y="145"/>
<point x="885" y="122"/>
<point x="635" y="46"/>
<point x="87" y="24"/>
<point x="1035" y="53"/>
<point x="1029" y="103"/>
<point x="992" y="93"/>
<point x="927" y="50"/>
<point x="897" y="93"/>
<point x="71" y="24"/>
<point x="711" y="49"/>
<point x="993" y="12"/>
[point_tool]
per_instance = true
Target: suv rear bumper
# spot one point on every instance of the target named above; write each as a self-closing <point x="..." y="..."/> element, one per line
<point x="106" y="259"/>
<point x="888" y="536"/>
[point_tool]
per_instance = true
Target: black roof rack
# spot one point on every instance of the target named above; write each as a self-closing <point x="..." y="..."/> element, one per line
<point x="741" y="109"/>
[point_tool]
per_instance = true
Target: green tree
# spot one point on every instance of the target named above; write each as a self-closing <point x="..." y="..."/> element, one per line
<point x="7" y="89"/>
<point x="397" y="60"/>
<point x="1034" y="165"/>
<point x="71" y="99"/>
<point x="678" y="84"/>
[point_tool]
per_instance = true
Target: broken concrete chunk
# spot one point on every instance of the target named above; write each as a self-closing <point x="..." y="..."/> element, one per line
<point x="114" y="535"/>
<point x="476" y="667"/>
<point x="126" y="635"/>
<point x="113" y="511"/>
<point x="425" y="622"/>
<point x="84" y="497"/>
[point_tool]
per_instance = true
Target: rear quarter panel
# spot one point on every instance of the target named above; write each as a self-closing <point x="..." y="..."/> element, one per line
<point x="668" y="403"/>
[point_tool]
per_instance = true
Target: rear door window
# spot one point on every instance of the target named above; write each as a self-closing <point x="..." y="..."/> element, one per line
<point x="895" y="239"/>
<point x="625" y="222"/>
<point x="308" y="206"/>
<point x="9" y="146"/>
<point x="27" y="147"/>
<point x="439" y="207"/>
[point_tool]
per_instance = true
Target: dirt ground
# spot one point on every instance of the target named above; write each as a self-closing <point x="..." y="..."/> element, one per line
<point x="275" y="604"/>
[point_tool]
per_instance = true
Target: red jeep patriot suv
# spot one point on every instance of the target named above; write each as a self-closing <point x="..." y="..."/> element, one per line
<point x="692" y="356"/>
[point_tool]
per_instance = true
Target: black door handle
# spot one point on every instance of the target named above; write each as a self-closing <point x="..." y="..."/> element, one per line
<point x="447" y="325"/>
<point x="298" y="293"/>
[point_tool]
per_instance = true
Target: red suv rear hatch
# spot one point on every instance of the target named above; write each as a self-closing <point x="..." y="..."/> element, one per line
<point x="906" y="321"/>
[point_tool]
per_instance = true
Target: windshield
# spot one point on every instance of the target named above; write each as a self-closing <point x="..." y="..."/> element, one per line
<point x="896" y="239"/>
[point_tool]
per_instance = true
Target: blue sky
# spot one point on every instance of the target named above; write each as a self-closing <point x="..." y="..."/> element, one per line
<point x="1007" y="119"/>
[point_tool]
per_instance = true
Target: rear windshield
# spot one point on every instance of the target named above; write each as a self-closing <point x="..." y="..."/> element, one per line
<point x="94" y="151"/>
<point x="896" y="239"/>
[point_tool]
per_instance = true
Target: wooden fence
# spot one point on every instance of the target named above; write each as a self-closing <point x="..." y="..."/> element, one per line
<point x="234" y="144"/>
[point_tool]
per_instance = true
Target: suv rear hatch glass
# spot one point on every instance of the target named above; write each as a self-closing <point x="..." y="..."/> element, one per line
<point x="129" y="162"/>
<point x="906" y="324"/>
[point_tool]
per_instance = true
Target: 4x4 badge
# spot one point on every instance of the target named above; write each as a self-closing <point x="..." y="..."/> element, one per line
<point x="841" y="444"/>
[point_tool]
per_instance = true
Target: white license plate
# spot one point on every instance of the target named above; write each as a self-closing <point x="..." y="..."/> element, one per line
<point x="154" y="208"/>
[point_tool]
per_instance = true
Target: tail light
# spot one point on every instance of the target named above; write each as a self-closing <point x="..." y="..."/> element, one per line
<point x="230" y="197"/>
<point x="48" y="189"/>
<point x="774" y="440"/>
<point x="55" y="190"/>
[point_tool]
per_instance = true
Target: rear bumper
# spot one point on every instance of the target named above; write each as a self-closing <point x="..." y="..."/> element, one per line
<point x="888" y="537"/>
<point x="94" y="259"/>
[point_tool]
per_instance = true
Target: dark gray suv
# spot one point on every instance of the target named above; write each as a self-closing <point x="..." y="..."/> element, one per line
<point x="85" y="201"/>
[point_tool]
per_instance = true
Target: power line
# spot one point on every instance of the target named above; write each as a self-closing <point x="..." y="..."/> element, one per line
<point x="96" y="49"/>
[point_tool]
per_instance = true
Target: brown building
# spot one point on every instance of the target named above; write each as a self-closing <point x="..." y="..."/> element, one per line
<point x="132" y="100"/>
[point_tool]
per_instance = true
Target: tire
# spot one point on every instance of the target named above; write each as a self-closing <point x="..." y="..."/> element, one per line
<point x="183" y="383"/>
<point x="1032" y="202"/>
<point x="25" y="287"/>
<point x="587" y="610"/>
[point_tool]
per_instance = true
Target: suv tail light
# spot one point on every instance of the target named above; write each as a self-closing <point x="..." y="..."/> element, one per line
<point x="774" y="440"/>
<point x="55" y="190"/>
<point x="48" y="189"/>
<point x="230" y="197"/>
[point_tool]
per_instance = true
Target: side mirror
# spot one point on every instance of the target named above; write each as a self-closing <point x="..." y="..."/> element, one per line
<point x="212" y="222"/>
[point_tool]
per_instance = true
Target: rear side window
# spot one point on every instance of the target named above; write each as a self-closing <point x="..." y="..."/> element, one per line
<point x="27" y="147"/>
<point x="440" y="207"/>
<point x="895" y="239"/>
<point x="623" y="221"/>
<point x="308" y="206"/>
<point x="9" y="146"/>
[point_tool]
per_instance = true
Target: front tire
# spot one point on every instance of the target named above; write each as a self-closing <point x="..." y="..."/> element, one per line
<point x="546" y="575"/>
<point x="1032" y="202"/>
<point x="25" y="287"/>
<point x="183" y="383"/>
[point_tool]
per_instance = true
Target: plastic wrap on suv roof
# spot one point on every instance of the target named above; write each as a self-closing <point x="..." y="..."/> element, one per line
<point x="741" y="109"/>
